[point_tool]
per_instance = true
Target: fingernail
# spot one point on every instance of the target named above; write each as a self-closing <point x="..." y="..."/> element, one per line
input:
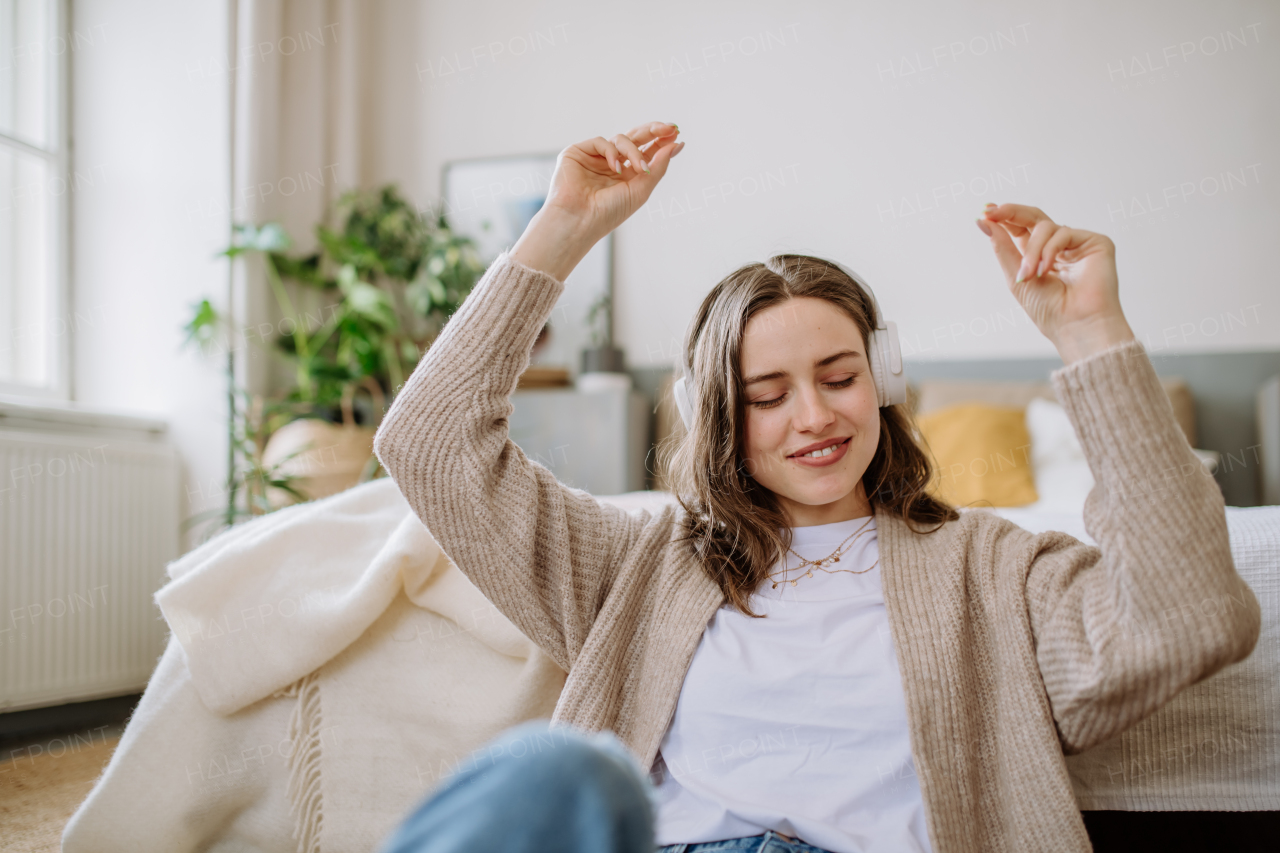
<point x="619" y="168"/>
<point x="983" y="227"/>
<point x="990" y="204"/>
<point x="1022" y="273"/>
<point x="1040" y="269"/>
<point x="645" y="166"/>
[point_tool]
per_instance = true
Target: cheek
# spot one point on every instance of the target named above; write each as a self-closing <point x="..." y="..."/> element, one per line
<point x="861" y="410"/>
<point x="761" y="433"/>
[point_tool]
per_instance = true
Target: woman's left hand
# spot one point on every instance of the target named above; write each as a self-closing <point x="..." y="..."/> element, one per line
<point x="1064" y="278"/>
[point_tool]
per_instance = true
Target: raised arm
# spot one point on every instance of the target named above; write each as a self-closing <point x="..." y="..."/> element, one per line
<point x="543" y="553"/>
<point x="1158" y="605"/>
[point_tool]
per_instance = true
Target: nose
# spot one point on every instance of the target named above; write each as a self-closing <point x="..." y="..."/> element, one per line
<point x="812" y="412"/>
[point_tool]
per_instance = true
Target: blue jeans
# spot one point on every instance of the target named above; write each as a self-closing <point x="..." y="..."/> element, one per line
<point x="537" y="789"/>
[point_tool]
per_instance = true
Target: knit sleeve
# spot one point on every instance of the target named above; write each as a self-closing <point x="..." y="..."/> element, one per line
<point x="543" y="553"/>
<point x="1157" y="605"/>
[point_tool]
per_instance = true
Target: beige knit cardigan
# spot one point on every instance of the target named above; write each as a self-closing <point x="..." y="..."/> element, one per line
<point x="1014" y="647"/>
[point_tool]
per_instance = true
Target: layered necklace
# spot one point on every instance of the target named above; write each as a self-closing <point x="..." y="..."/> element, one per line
<point x="806" y="567"/>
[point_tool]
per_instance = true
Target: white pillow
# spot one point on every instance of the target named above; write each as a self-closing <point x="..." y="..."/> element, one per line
<point x="1061" y="472"/>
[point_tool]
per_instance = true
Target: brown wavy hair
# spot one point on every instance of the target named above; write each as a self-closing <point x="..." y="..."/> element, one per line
<point x="737" y="526"/>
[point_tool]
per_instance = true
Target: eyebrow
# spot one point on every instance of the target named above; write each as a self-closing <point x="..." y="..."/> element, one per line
<point x="779" y="374"/>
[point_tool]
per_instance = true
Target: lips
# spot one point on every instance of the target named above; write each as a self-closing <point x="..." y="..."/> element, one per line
<point x="818" y="445"/>
<point x="833" y="450"/>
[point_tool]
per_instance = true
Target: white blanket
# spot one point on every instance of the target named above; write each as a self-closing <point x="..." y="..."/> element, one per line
<point x="327" y="666"/>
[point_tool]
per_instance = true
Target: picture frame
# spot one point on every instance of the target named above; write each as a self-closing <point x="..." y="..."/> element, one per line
<point x="491" y="200"/>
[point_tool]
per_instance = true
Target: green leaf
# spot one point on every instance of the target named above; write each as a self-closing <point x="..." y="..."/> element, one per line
<point x="203" y="324"/>
<point x="347" y="278"/>
<point x="305" y="270"/>
<point x="270" y="237"/>
<point x="371" y="303"/>
<point x="418" y="297"/>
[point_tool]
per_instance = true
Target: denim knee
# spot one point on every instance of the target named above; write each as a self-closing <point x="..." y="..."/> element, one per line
<point x="536" y="785"/>
<point x="577" y="757"/>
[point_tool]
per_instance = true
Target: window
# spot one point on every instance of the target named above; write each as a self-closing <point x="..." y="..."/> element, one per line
<point x="33" y="198"/>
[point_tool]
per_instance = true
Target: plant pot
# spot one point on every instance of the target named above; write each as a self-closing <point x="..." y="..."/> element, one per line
<point x="603" y="360"/>
<point x="330" y="458"/>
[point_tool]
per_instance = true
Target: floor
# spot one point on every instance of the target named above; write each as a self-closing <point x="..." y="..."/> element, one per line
<point x="49" y="761"/>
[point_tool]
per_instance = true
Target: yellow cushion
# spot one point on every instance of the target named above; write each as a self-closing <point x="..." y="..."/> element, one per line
<point x="982" y="455"/>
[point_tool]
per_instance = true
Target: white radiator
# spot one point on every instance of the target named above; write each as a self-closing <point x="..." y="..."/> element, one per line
<point x="88" y="520"/>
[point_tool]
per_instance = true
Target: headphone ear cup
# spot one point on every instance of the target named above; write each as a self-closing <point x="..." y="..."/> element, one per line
<point x="685" y="406"/>
<point x="875" y="356"/>
<point x="891" y="378"/>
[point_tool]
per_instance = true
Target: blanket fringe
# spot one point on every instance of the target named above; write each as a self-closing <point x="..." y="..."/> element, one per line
<point x="304" y="791"/>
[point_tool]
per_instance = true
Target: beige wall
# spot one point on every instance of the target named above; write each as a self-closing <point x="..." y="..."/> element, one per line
<point x="868" y="132"/>
<point x="874" y="132"/>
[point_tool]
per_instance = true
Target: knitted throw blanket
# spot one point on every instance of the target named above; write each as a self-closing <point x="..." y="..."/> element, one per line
<point x="327" y="666"/>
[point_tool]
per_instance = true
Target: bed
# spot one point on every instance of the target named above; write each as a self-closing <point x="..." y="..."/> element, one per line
<point x="1205" y="769"/>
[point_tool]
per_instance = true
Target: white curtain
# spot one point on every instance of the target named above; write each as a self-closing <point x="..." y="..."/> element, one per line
<point x="301" y="74"/>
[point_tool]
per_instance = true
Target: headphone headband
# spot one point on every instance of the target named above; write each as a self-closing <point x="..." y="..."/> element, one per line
<point x="884" y="352"/>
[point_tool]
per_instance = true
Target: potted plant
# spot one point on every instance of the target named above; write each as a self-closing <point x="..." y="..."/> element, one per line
<point x="391" y="278"/>
<point x="602" y="356"/>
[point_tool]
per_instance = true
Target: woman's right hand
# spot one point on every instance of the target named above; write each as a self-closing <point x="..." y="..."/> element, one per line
<point x="597" y="185"/>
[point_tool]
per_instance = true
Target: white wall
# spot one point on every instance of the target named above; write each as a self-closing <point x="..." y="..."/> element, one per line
<point x="150" y="124"/>
<point x="874" y="132"/>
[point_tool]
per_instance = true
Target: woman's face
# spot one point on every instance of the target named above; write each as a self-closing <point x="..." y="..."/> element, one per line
<point x="809" y="388"/>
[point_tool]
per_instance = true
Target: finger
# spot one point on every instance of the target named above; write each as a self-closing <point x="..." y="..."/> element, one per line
<point x="989" y="216"/>
<point x="1015" y="231"/>
<point x="1062" y="239"/>
<point x="1021" y="215"/>
<point x="648" y="148"/>
<point x="602" y="147"/>
<point x="1007" y="254"/>
<point x="631" y="151"/>
<point x="661" y="156"/>
<point x="1040" y="235"/>
<point x="651" y="130"/>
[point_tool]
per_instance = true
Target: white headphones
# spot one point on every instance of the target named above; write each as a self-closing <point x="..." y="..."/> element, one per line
<point x="885" y="356"/>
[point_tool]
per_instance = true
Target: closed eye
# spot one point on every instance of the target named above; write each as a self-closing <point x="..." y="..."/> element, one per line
<point x="777" y="401"/>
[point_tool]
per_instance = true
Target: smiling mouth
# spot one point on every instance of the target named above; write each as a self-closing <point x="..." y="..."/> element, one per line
<point x="818" y="454"/>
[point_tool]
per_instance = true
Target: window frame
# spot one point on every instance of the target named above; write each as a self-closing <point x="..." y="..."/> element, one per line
<point x="58" y="345"/>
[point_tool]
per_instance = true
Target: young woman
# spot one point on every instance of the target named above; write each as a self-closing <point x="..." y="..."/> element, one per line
<point x="809" y="650"/>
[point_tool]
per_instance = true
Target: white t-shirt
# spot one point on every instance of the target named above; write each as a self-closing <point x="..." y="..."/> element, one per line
<point x="796" y="722"/>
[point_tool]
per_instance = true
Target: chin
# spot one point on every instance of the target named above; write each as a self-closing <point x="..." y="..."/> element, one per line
<point x="821" y="489"/>
<point x="822" y="493"/>
<point x="820" y="497"/>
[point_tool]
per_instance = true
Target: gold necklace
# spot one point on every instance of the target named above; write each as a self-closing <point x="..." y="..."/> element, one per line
<point x="833" y="557"/>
